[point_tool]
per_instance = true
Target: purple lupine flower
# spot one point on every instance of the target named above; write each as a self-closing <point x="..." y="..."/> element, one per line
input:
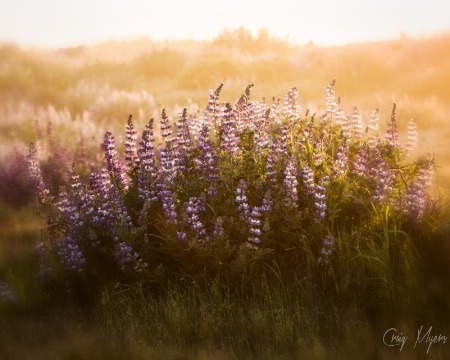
<point x="271" y="166"/>
<point x="308" y="132"/>
<point x="184" y="141"/>
<point x="261" y="134"/>
<point x="319" y="151"/>
<point x="146" y="181"/>
<point x="113" y="163"/>
<point x="341" y="162"/>
<point x="251" y="215"/>
<point x="37" y="181"/>
<point x="167" y="173"/>
<point x="320" y="199"/>
<point x="357" y="124"/>
<point x="254" y="222"/>
<point x="69" y="212"/>
<point x="252" y="115"/>
<point x="75" y="183"/>
<point x="241" y="110"/>
<point x="229" y="139"/>
<point x="110" y="210"/>
<point x="194" y="206"/>
<point x="267" y="203"/>
<point x="361" y="161"/>
<point x="418" y="200"/>
<point x="82" y="199"/>
<point x="6" y="293"/>
<point x="291" y="183"/>
<point x="70" y="255"/>
<point x="168" y="204"/>
<point x="326" y="250"/>
<point x="100" y="185"/>
<point x="283" y="142"/>
<point x="127" y="257"/>
<point x="392" y="130"/>
<point x="207" y="162"/>
<point x="412" y="137"/>
<point x="166" y="128"/>
<point x="131" y="155"/>
<point x="214" y="112"/>
<point x="308" y="181"/>
<point x="181" y="236"/>
<point x="383" y="175"/>
<point x="241" y="200"/>
<point x="169" y="155"/>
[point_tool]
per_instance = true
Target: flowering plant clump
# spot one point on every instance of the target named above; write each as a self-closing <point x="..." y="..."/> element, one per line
<point x="250" y="180"/>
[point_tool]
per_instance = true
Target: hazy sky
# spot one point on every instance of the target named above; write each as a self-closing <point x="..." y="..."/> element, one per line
<point x="68" y="23"/>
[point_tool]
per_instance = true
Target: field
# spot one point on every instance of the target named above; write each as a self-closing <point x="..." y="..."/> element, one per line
<point x="257" y="215"/>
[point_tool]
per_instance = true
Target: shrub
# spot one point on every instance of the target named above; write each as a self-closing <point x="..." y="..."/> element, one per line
<point x="233" y="191"/>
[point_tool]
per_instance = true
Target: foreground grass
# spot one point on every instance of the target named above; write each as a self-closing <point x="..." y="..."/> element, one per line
<point x="192" y="323"/>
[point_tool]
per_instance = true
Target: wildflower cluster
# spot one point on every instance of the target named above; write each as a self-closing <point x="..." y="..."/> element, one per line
<point x="249" y="174"/>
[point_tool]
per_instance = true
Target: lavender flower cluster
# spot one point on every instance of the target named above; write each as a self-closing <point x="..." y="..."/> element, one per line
<point x="270" y="160"/>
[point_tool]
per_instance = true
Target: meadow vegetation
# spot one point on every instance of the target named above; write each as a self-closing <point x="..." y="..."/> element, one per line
<point x="247" y="221"/>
